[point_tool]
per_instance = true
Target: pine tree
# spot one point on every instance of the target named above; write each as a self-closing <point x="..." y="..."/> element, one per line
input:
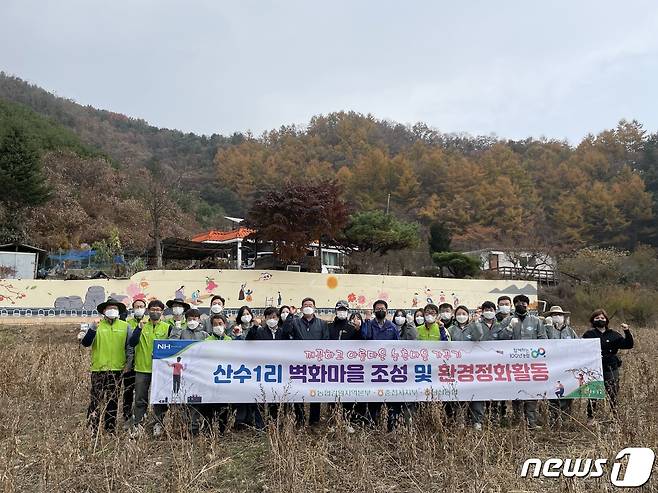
<point x="24" y="185"/>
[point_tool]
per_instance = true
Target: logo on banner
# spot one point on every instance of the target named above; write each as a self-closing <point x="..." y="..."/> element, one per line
<point x="639" y="464"/>
<point x="537" y="353"/>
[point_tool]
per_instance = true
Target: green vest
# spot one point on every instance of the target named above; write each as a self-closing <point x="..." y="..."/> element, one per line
<point x="144" y="349"/>
<point x="431" y="334"/>
<point x="108" y="351"/>
<point x="133" y="322"/>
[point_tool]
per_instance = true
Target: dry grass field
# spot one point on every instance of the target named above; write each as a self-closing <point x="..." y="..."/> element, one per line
<point x="45" y="446"/>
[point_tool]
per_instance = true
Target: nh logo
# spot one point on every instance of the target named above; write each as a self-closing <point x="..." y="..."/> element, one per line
<point x="164" y="346"/>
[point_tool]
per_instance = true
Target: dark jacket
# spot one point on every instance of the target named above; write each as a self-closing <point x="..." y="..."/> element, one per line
<point x="370" y="330"/>
<point x="343" y="330"/>
<point x="264" y="333"/>
<point x="611" y="342"/>
<point x="300" y="329"/>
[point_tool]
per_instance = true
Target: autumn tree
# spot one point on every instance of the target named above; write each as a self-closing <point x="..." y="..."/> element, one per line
<point x="294" y="215"/>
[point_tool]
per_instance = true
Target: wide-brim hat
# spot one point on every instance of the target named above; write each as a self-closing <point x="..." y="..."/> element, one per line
<point x="178" y="301"/>
<point x="557" y="310"/>
<point x="111" y="301"/>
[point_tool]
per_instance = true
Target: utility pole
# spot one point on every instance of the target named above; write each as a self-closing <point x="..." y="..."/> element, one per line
<point x="388" y="202"/>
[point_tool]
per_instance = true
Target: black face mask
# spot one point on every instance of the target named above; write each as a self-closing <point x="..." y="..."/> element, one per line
<point x="380" y="314"/>
<point x="599" y="324"/>
<point x="154" y="316"/>
<point x="520" y="309"/>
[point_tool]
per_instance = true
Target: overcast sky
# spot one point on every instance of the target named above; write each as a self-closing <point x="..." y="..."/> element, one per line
<point x="514" y="68"/>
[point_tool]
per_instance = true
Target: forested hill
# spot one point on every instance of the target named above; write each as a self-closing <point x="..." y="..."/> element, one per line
<point x="485" y="191"/>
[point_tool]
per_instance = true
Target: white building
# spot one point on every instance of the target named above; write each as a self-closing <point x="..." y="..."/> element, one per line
<point x="247" y="252"/>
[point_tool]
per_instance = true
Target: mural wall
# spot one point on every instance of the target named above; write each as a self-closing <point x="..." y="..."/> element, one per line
<point x="258" y="289"/>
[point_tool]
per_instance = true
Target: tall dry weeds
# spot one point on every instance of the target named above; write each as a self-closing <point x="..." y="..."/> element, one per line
<point x="45" y="446"/>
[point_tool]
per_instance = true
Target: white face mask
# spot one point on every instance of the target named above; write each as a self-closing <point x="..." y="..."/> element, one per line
<point x="400" y="321"/>
<point x="488" y="315"/>
<point x="430" y="319"/>
<point x="446" y="315"/>
<point x="505" y="309"/>
<point x="218" y="330"/>
<point x="461" y="318"/>
<point x="420" y="320"/>
<point x="558" y="320"/>
<point x="192" y="324"/>
<point x="139" y="312"/>
<point x="216" y="308"/>
<point x="112" y="313"/>
<point x="245" y="319"/>
<point x="341" y="314"/>
<point x="410" y="319"/>
<point x="284" y="315"/>
<point x="272" y="322"/>
<point x="308" y="310"/>
<point x="177" y="310"/>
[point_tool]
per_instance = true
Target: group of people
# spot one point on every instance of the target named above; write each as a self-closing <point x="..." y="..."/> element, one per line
<point x="122" y="346"/>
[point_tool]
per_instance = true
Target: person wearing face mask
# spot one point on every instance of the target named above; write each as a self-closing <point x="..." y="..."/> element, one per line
<point x="446" y="315"/>
<point x="407" y="329"/>
<point x="462" y="330"/>
<point x="128" y="377"/>
<point x="340" y="327"/>
<point x="178" y="308"/>
<point x="142" y="339"/>
<point x="218" y="331"/>
<point x="244" y="322"/>
<point x="408" y="332"/>
<point x="611" y="342"/>
<point x="488" y="323"/>
<point x="270" y="330"/>
<point x="557" y="328"/>
<point x="108" y="341"/>
<point x="419" y="317"/>
<point x="504" y="308"/>
<point x="490" y="327"/>
<point x="503" y="316"/>
<point x="431" y="330"/>
<point x="523" y="326"/>
<point x="359" y="414"/>
<point x="217" y="412"/>
<point x="304" y="328"/>
<point x="381" y="329"/>
<point x="246" y="414"/>
<point x="217" y="304"/>
<point x="193" y="329"/>
<point x="284" y="313"/>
